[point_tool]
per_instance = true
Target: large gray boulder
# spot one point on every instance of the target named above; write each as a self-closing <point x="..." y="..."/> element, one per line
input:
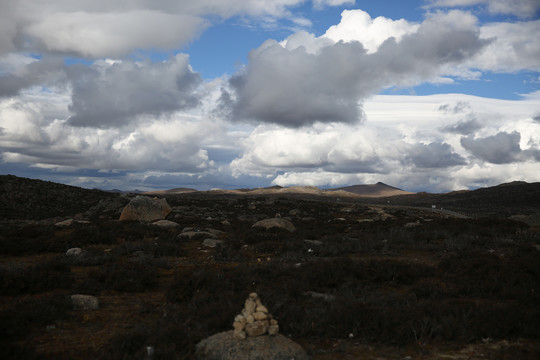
<point x="279" y="223"/>
<point x="145" y="209"/>
<point x="224" y="346"/>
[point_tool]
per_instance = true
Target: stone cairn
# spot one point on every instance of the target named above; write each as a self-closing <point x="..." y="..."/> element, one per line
<point x="255" y="320"/>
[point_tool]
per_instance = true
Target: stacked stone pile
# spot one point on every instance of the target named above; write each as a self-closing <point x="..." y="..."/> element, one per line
<point x="254" y="320"/>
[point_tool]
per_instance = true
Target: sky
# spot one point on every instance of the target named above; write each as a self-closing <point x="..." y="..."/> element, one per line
<point x="424" y="95"/>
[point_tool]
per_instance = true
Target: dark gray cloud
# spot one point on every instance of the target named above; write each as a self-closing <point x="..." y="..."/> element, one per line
<point x="434" y="155"/>
<point x="536" y="117"/>
<point x="457" y="108"/>
<point x="48" y="71"/>
<point x="296" y="87"/>
<point x="502" y="148"/>
<point x="116" y="95"/>
<point x="464" y="127"/>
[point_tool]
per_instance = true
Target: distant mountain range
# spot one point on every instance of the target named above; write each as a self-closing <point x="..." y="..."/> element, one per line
<point x="28" y="198"/>
<point x="373" y="190"/>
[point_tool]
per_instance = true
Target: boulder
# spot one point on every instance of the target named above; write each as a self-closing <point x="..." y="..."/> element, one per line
<point x="145" y="209"/>
<point x="224" y="346"/>
<point x="85" y="302"/>
<point x="279" y="223"/>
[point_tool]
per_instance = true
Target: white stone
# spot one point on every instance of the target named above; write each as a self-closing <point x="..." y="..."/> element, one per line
<point x="74" y="252"/>
<point x="85" y="302"/>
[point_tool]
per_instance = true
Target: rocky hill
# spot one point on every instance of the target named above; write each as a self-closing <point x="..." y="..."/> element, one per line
<point x="22" y="198"/>
<point x="501" y="200"/>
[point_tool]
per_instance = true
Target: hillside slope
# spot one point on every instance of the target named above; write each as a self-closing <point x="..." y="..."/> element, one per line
<point x="22" y="198"/>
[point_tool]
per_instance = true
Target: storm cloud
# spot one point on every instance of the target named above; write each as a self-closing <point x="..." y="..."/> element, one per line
<point x="464" y="127"/>
<point x="434" y="155"/>
<point x="294" y="87"/>
<point x="502" y="148"/>
<point x="122" y="91"/>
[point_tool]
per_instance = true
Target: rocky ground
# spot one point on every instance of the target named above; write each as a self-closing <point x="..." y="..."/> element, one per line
<point x="348" y="280"/>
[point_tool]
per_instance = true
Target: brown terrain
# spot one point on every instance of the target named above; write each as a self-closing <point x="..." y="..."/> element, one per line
<point x="368" y="272"/>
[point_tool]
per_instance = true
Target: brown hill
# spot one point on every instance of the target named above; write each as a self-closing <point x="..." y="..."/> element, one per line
<point x="170" y="191"/>
<point x="373" y="190"/>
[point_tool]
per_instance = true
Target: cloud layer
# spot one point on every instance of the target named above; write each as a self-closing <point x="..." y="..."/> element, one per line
<point x="292" y="86"/>
<point x="304" y="110"/>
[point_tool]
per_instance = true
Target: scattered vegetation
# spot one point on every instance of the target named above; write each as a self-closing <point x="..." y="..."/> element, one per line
<point x="392" y="276"/>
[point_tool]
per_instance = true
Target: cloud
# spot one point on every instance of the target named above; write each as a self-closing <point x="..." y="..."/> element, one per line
<point x="295" y="87"/>
<point x="96" y="29"/>
<point x="116" y="95"/>
<point x="511" y="48"/>
<point x="319" y="4"/>
<point x="502" y="148"/>
<point x="96" y="35"/>
<point x="357" y="25"/>
<point x="434" y="155"/>
<point x="459" y="107"/>
<point x="36" y="132"/>
<point x="48" y="71"/>
<point x="521" y="8"/>
<point x="464" y="127"/>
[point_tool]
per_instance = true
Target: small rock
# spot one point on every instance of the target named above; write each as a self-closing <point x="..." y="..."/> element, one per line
<point x="261" y="308"/>
<point x="240" y="334"/>
<point x="412" y="224"/>
<point x="212" y="243"/>
<point x="313" y="242"/>
<point x="279" y="223"/>
<point x="237" y="325"/>
<point x="259" y="315"/>
<point x="273" y="330"/>
<point x="257" y="328"/>
<point x="85" y="302"/>
<point x="366" y="220"/>
<point x="166" y="224"/>
<point x="250" y="306"/>
<point x="196" y="235"/>
<point x="65" y="223"/>
<point x="74" y="252"/>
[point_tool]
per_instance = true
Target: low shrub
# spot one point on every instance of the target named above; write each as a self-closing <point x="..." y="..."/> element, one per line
<point x="16" y="279"/>
<point x="130" y="276"/>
